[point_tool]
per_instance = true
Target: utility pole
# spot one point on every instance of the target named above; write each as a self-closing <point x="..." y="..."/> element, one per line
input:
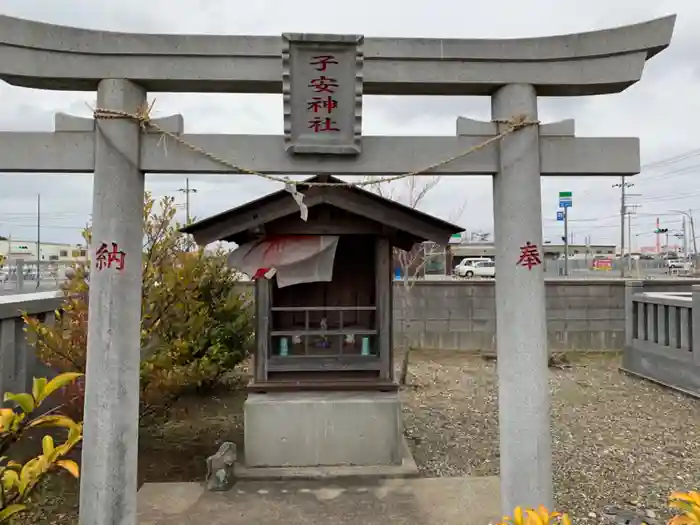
<point x="689" y="215"/>
<point x="38" y="240"/>
<point x="623" y="210"/>
<point x="692" y="232"/>
<point x="629" y="238"/>
<point x="685" y="239"/>
<point x="631" y="209"/>
<point x="187" y="190"/>
<point x="695" y="240"/>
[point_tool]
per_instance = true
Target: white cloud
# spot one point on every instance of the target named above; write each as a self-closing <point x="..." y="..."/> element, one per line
<point x="661" y="109"/>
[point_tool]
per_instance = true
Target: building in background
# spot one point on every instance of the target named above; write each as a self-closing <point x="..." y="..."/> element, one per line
<point x="651" y="250"/>
<point x="549" y="250"/>
<point x="556" y="251"/>
<point x="12" y="250"/>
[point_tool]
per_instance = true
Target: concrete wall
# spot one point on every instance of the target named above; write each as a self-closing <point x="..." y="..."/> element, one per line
<point x="18" y="362"/>
<point x="582" y="314"/>
<point x="460" y="314"/>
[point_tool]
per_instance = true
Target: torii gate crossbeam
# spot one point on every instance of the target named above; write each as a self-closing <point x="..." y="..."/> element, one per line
<point x="71" y="149"/>
<point x="46" y="56"/>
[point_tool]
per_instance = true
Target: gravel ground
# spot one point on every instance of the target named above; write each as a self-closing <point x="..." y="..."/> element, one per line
<point x="617" y="440"/>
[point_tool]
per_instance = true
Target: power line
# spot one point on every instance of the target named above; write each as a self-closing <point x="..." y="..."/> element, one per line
<point x="652" y="166"/>
<point x="664" y="175"/>
<point x="44" y="226"/>
<point x="654" y="199"/>
<point x="649" y="224"/>
<point x="673" y="159"/>
<point x="11" y="216"/>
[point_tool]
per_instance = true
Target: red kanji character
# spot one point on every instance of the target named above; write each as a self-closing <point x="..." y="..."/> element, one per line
<point x="319" y="124"/>
<point x="529" y="256"/>
<point x="322" y="61"/>
<point x="104" y="258"/>
<point x="316" y="104"/>
<point x="323" y="84"/>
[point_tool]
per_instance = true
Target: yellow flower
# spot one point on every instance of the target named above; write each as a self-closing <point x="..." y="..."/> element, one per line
<point x="689" y="504"/>
<point x="540" y="516"/>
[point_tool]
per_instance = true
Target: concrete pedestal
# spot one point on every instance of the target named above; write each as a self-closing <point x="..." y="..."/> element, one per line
<point x="310" y="429"/>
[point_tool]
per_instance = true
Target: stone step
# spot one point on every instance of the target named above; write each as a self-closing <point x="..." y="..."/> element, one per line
<point x="413" y="501"/>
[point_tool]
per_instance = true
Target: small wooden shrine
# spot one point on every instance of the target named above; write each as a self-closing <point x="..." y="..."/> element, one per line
<point x="332" y="331"/>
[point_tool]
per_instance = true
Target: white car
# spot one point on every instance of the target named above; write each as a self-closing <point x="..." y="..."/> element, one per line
<point x="477" y="269"/>
<point x="679" y="264"/>
<point x="468" y="261"/>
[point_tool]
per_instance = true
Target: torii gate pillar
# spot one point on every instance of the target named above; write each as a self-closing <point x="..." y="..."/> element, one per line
<point x="521" y="333"/>
<point x="114" y="330"/>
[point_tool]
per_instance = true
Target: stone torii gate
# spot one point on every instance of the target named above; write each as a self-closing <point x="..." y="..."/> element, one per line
<point x="122" y="68"/>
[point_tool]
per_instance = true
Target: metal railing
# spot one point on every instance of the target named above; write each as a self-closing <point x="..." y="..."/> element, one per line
<point x="18" y="363"/>
<point x="662" y="337"/>
<point x="22" y="277"/>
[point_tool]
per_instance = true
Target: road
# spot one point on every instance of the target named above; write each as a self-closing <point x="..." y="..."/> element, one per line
<point x="577" y="273"/>
<point x="50" y="285"/>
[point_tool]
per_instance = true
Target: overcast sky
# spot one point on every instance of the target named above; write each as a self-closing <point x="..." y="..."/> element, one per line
<point x="662" y="109"/>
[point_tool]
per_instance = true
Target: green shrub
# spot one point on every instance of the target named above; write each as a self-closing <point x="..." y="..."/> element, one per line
<point x="196" y="325"/>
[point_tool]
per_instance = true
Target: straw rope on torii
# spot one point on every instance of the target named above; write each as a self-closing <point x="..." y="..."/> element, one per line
<point x="143" y="117"/>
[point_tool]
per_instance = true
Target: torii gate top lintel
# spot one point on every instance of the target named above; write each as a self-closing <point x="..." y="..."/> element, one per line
<point x="48" y="56"/>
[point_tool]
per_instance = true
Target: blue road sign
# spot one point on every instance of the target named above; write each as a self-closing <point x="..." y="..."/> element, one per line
<point x="560" y="215"/>
<point x="565" y="203"/>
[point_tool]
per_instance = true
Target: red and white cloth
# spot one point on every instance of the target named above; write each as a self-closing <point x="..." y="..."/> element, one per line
<point x="293" y="259"/>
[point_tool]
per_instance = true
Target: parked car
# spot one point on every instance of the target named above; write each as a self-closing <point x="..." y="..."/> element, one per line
<point x="477" y="269"/>
<point x="467" y="261"/>
<point x="679" y="264"/>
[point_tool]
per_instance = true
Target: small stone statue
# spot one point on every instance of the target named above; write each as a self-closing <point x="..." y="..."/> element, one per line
<point x="220" y="468"/>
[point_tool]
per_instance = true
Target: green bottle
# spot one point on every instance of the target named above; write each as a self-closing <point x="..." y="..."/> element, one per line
<point x="284" y="347"/>
<point x="365" y="346"/>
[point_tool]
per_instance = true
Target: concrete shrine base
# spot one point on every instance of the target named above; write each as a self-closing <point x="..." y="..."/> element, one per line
<point x="407" y="468"/>
<point x="341" y="431"/>
<point x="434" y="501"/>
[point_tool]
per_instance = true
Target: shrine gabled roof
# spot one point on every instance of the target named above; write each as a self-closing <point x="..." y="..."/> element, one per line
<point x="235" y="224"/>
